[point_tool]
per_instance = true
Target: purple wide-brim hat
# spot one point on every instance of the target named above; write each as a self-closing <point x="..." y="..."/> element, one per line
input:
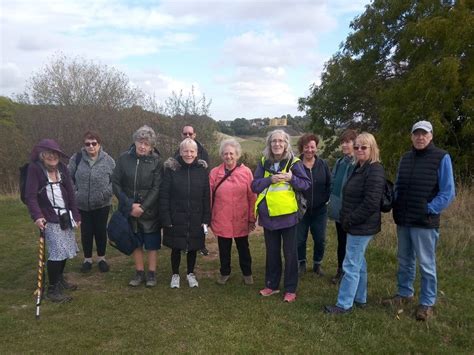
<point x="44" y="145"/>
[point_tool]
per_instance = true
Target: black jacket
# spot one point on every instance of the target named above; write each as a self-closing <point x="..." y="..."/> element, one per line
<point x="184" y="203"/>
<point x="361" y="199"/>
<point x="137" y="179"/>
<point x="318" y="194"/>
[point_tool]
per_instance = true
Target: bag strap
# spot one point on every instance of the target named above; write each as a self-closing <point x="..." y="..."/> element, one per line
<point x="226" y="175"/>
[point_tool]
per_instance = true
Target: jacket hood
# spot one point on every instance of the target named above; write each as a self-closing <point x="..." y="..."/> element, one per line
<point x="176" y="163"/>
<point x="45" y="145"/>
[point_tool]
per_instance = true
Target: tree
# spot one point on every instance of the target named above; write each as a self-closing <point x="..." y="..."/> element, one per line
<point x="79" y="82"/>
<point x="405" y="60"/>
<point x="178" y="105"/>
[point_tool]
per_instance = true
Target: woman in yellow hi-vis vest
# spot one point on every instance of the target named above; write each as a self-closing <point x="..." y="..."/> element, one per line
<point x="278" y="175"/>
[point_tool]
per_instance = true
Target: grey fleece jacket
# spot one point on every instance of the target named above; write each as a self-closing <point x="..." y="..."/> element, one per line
<point x="93" y="180"/>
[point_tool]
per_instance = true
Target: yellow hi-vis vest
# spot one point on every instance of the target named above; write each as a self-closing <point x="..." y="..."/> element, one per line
<point x="280" y="197"/>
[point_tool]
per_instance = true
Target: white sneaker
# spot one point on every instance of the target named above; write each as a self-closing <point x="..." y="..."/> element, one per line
<point x="192" y="280"/>
<point x="174" y="281"/>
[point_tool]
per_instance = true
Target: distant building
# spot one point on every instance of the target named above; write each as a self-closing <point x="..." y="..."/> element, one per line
<point x="278" y="122"/>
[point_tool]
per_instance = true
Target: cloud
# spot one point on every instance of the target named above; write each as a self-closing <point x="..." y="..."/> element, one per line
<point x="10" y="75"/>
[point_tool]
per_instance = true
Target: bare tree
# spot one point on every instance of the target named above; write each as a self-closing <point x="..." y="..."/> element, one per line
<point x="178" y="105"/>
<point x="80" y="82"/>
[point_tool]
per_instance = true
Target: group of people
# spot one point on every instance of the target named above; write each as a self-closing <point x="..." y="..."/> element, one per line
<point x="179" y="199"/>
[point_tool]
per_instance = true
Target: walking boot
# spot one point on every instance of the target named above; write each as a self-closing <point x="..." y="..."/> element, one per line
<point x="55" y="294"/>
<point x="66" y="285"/>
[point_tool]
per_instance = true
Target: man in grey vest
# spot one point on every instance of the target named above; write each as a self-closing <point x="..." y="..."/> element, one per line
<point x="423" y="189"/>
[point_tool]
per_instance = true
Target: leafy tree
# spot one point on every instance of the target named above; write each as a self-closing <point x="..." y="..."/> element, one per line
<point x="79" y="82"/>
<point x="405" y="60"/>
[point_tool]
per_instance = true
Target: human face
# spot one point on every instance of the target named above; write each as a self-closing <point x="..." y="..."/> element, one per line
<point x="347" y="147"/>
<point x="278" y="145"/>
<point x="92" y="147"/>
<point x="309" y="150"/>
<point x="362" y="151"/>
<point x="420" y="139"/>
<point x="188" y="153"/>
<point x="229" y="156"/>
<point x="50" y="159"/>
<point x="188" y="132"/>
<point x="143" y="148"/>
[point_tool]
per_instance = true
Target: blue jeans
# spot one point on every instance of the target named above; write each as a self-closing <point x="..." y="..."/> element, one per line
<point x="354" y="282"/>
<point x="316" y="222"/>
<point x="412" y="243"/>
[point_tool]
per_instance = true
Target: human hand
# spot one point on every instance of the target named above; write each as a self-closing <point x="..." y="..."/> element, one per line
<point x="137" y="210"/>
<point x="40" y="223"/>
<point x="251" y="227"/>
<point x="277" y="178"/>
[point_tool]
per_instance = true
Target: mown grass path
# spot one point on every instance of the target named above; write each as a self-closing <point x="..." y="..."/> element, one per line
<point x="108" y="316"/>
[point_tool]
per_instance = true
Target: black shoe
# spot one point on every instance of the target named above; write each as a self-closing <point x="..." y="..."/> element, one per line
<point x="103" y="266"/>
<point x="66" y="285"/>
<point x="56" y="295"/>
<point x="301" y="268"/>
<point x="360" y="305"/>
<point x="337" y="278"/>
<point x="86" y="267"/>
<point x="317" y="270"/>
<point x="336" y="310"/>
<point x="204" y="251"/>
<point x="150" y="279"/>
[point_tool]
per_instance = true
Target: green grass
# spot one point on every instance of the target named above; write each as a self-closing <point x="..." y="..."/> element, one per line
<point x="108" y="316"/>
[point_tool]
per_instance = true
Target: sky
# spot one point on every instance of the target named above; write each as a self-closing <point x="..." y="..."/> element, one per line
<point x="253" y="58"/>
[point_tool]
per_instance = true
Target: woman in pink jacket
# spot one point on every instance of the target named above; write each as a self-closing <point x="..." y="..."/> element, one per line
<point x="232" y="209"/>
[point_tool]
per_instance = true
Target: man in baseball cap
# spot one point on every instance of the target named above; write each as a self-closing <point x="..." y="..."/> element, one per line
<point x="423" y="189"/>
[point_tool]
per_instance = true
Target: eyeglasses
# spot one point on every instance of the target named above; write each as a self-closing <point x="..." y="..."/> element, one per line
<point x="361" y="147"/>
<point x="88" y="144"/>
<point x="187" y="134"/>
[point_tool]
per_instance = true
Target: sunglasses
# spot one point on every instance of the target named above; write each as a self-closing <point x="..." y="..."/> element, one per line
<point x="88" y="144"/>
<point x="361" y="147"/>
<point x="187" y="134"/>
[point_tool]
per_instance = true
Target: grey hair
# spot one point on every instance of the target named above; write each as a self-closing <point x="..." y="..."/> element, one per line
<point x="145" y="133"/>
<point x="232" y="143"/>
<point x="267" y="152"/>
<point x="187" y="142"/>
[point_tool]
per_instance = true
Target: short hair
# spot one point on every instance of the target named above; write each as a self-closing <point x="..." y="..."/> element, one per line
<point x="368" y="139"/>
<point x="145" y="133"/>
<point x="348" y="135"/>
<point x="232" y="143"/>
<point x="267" y="152"/>
<point x="305" y="139"/>
<point x="188" y="142"/>
<point x="188" y="125"/>
<point x="92" y="135"/>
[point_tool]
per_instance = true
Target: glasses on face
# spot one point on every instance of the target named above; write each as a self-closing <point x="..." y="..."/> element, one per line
<point x="187" y="134"/>
<point x="361" y="147"/>
<point x="89" y="144"/>
<point x="51" y="154"/>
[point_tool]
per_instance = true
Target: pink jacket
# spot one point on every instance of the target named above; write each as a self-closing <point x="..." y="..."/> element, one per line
<point x="234" y="202"/>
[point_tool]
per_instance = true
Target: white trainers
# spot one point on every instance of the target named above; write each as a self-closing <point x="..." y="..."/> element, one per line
<point x="174" y="281"/>
<point x="192" y="280"/>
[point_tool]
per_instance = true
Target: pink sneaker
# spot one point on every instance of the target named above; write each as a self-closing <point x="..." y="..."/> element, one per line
<point x="268" y="292"/>
<point x="289" y="297"/>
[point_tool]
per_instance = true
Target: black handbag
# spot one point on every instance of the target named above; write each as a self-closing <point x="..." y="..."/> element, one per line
<point x="120" y="234"/>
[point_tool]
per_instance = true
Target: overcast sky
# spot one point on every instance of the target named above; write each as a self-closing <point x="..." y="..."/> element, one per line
<point x="254" y="58"/>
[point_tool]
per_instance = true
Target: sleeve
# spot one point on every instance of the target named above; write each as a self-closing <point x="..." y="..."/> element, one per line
<point x="125" y="203"/>
<point x="71" y="166"/>
<point x="446" y="191"/>
<point x="110" y="172"/>
<point x="328" y="181"/>
<point x="31" y="191"/>
<point x="164" y="199"/>
<point x="300" y="180"/>
<point x="212" y="183"/>
<point x="373" y="190"/>
<point x="68" y="185"/>
<point x="259" y="182"/>
<point x="152" y="195"/>
<point x="206" y="203"/>
<point x="333" y="173"/>
<point x="251" y="198"/>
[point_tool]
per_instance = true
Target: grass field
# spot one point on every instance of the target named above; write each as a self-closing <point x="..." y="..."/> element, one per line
<point x="108" y="316"/>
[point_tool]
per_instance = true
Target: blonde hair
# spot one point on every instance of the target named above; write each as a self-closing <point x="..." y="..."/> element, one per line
<point x="368" y="139"/>
<point x="267" y="152"/>
<point x="188" y="142"/>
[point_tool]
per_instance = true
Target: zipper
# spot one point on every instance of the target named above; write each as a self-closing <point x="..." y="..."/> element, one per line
<point x="135" y="180"/>
<point x="89" y="189"/>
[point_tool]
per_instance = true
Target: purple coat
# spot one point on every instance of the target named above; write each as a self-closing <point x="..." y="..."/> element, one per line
<point x="299" y="181"/>
<point x="38" y="204"/>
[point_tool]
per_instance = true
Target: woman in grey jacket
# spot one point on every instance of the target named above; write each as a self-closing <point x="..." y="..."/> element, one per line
<point x="91" y="171"/>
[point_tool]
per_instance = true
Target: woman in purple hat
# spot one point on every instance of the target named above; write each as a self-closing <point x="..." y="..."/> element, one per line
<point x="50" y="199"/>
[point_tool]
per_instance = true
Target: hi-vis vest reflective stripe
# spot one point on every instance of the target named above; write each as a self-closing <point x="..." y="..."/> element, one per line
<point x="280" y="197"/>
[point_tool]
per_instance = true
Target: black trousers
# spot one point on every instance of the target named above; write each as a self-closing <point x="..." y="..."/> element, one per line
<point x="341" y="244"/>
<point x="273" y="265"/>
<point x="94" y="226"/>
<point x="176" y="260"/>
<point x="225" y="252"/>
<point x="55" y="269"/>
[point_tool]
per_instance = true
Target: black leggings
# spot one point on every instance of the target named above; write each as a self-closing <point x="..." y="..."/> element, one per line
<point x="94" y="225"/>
<point x="176" y="260"/>
<point x="341" y="244"/>
<point x="225" y="252"/>
<point x="55" y="270"/>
